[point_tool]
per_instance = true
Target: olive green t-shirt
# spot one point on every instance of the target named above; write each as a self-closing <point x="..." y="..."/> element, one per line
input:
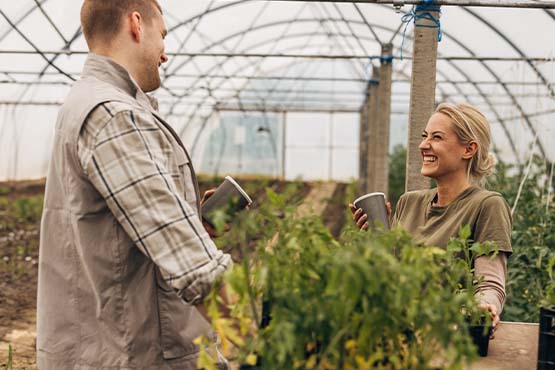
<point x="486" y="212"/>
<point x="489" y="217"/>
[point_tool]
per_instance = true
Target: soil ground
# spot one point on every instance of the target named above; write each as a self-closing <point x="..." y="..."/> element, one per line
<point x="20" y="211"/>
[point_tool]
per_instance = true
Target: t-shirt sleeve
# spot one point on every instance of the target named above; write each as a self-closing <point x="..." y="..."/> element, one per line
<point x="394" y="221"/>
<point x="494" y="223"/>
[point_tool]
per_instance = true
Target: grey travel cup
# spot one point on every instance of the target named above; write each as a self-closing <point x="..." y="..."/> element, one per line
<point x="373" y="204"/>
<point x="229" y="196"/>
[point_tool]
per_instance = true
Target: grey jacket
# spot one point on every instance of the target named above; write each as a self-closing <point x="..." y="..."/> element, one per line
<point x="102" y="302"/>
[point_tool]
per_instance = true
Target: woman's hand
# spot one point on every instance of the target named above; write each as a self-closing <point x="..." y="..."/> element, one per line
<point x="493" y="314"/>
<point x="361" y="218"/>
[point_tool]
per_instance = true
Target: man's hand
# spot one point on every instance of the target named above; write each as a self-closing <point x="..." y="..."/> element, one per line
<point x="209" y="229"/>
<point x="207" y="194"/>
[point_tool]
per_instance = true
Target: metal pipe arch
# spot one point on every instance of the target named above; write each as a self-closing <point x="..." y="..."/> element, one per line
<point x="525" y="116"/>
<point x="305" y="20"/>
<point x="509" y="93"/>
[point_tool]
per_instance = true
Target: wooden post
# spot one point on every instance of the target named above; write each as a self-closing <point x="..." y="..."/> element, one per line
<point x="383" y="121"/>
<point x="284" y="144"/>
<point x="372" y="138"/>
<point x="422" y="95"/>
<point x="363" y="147"/>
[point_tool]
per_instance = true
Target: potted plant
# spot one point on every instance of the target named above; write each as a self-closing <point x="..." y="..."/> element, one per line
<point x="546" y="346"/>
<point x="464" y="253"/>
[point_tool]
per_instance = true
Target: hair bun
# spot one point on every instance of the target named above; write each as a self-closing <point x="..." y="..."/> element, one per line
<point x="489" y="164"/>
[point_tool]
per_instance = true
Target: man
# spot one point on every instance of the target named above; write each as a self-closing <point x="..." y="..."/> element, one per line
<point x="124" y="258"/>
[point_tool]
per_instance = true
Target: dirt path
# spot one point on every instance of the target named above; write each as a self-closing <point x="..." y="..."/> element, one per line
<point x="317" y="199"/>
<point x="19" y="235"/>
<point x="22" y="339"/>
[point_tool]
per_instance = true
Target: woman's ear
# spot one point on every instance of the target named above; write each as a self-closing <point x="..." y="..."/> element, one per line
<point x="470" y="149"/>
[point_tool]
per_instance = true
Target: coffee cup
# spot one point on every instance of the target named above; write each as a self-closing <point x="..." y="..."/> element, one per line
<point x="373" y="205"/>
<point x="229" y="196"/>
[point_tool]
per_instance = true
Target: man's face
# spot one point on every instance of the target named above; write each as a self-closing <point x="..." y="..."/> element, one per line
<point x="153" y="53"/>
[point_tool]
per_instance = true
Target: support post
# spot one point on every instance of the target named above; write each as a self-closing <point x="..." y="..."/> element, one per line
<point x="383" y="121"/>
<point x="284" y="143"/>
<point x="330" y="156"/>
<point x="372" y="139"/>
<point x="363" y="147"/>
<point x="422" y="95"/>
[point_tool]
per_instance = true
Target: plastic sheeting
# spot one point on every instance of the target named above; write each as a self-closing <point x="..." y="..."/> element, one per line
<point x="241" y="64"/>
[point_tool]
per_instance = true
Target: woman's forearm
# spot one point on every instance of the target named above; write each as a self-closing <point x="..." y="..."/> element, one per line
<point x="493" y="271"/>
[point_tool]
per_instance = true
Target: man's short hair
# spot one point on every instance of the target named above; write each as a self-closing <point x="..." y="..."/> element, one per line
<point x="101" y="20"/>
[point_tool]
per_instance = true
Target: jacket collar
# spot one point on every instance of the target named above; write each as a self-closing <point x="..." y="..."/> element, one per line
<point x="109" y="71"/>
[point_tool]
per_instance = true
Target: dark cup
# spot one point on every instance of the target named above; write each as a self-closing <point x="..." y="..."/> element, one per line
<point x="373" y="205"/>
<point x="229" y="196"/>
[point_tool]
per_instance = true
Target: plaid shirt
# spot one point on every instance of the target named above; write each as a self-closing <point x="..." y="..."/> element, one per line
<point x="131" y="159"/>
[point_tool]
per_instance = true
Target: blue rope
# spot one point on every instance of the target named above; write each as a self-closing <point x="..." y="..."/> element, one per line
<point x="368" y="66"/>
<point x="387" y="59"/>
<point x="426" y="8"/>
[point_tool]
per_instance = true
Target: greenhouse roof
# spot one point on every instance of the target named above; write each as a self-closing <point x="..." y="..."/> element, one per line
<point x="291" y="56"/>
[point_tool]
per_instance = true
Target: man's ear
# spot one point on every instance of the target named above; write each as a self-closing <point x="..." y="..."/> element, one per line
<point x="470" y="149"/>
<point x="136" y="25"/>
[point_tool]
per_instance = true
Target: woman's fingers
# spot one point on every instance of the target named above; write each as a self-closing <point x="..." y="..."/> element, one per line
<point x="358" y="214"/>
<point x="359" y="217"/>
<point x="361" y="221"/>
<point x="494" y="317"/>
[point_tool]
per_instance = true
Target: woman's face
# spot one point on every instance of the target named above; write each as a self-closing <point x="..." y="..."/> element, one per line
<point x="443" y="155"/>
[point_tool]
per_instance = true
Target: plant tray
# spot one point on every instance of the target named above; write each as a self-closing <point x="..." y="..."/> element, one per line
<point x="546" y="346"/>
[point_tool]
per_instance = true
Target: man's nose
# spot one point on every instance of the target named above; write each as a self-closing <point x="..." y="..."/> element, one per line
<point x="164" y="58"/>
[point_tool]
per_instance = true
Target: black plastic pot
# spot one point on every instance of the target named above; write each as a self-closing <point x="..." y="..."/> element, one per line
<point x="249" y="367"/>
<point x="480" y="336"/>
<point x="264" y="322"/>
<point x="546" y="347"/>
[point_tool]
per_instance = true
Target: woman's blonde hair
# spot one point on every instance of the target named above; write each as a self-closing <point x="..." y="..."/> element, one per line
<point x="471" y="125"/>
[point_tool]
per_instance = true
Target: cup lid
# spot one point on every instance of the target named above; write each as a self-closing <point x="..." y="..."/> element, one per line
<point x="368" y="196"/>
<point x="239" y="188"/>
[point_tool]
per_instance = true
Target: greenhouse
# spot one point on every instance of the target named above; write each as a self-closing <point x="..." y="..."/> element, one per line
<point x="428" y="124"/>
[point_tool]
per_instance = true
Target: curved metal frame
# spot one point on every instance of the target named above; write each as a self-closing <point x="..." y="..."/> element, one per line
<point x="497" y="78"/>
<point x="348" y="22"/>
<point x="279" y="23"/>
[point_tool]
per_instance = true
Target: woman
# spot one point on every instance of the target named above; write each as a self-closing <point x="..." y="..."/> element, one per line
<point x="455" y="153"/>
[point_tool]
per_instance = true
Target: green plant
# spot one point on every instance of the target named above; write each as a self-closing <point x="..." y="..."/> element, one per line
<point x="465" y="252"/>
<point x="28" y="209"/>
<point x="9" y="363"/>
<point x="5" y="190"/>
<point x="256" y="224"/>
<point x="549" y="300"/>
<point x="533" y="237"/>
<point x="397" y="169"/>
<point x="375" y="301"/>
